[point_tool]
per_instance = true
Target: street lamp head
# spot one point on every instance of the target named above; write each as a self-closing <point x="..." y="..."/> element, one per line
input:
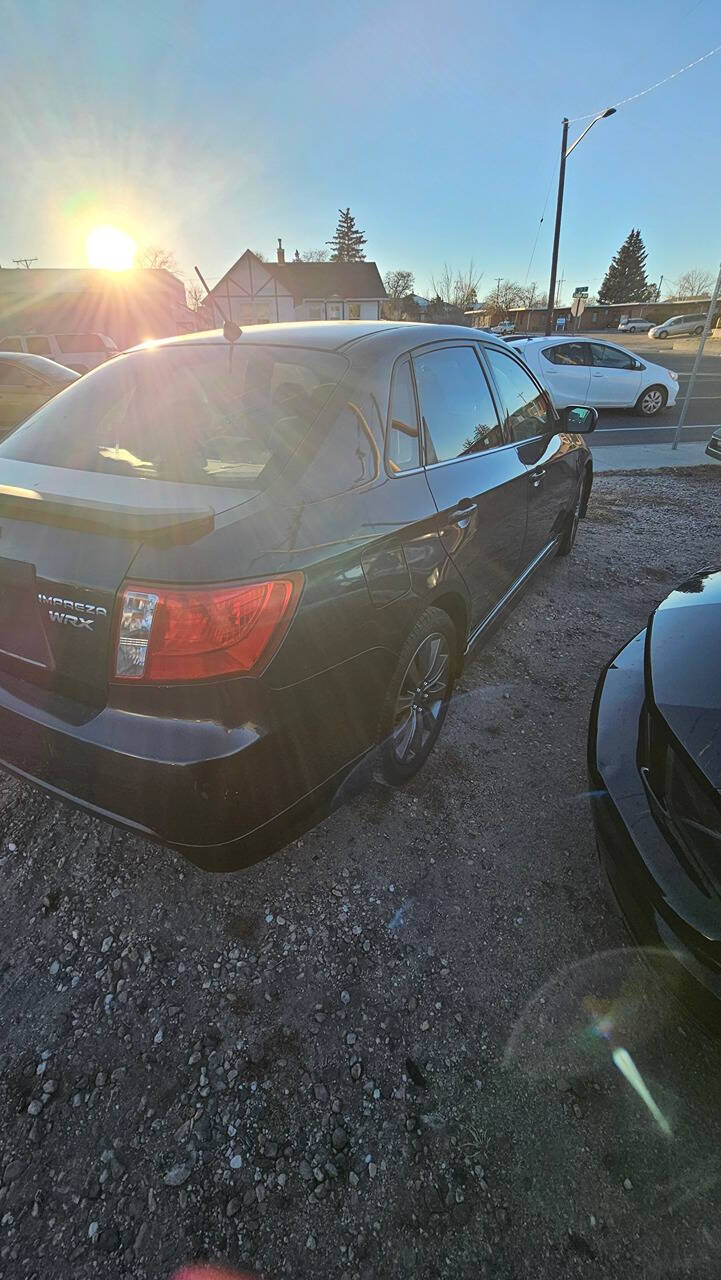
<point x="610" y="111"/>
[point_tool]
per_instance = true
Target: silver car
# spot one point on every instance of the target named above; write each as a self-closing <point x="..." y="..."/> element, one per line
<point x="635" y="324"/>
<point x="679" y="326"/>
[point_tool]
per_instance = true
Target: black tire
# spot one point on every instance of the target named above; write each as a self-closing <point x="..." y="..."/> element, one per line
<point x="569" y="535"/>
<point x="698" y="330"/>
<point x="651" y="401"/>
<point x="406" y="741"/>
<point x="631" y="328"/>
<point x="662" y="334"/>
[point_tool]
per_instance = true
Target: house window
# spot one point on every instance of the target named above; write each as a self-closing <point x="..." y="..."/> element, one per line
<point x="334" y="310"/>
<point x="315" y="313"/>
<point x="354" y="311"/>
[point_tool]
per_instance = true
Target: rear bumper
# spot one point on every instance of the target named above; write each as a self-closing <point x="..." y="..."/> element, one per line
<point x="223" y="794"/>
<point x="661" y="905"/>
<point x="713" y="448"/>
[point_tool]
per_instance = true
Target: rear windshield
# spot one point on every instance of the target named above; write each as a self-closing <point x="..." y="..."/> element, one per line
<point x="76" y="342"/>
<point x="198" y="414"/>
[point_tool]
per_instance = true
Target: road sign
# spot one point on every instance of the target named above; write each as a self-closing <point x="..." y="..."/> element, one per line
<point x="581" y="291"/>
<point x="578" y="305"/>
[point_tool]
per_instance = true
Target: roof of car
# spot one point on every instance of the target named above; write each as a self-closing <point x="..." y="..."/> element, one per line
<point x="329" y="335"/>
<point x="39" y="363"/>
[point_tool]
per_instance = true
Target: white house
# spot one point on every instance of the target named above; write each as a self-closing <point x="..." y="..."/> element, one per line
<point x="256" y="292"/>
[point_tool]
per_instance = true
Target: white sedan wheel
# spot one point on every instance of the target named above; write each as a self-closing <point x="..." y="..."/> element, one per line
<point x="652" y="401"/>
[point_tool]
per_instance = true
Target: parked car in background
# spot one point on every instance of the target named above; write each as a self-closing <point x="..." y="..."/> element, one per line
<point x="678" y="326"/>
<point x="634" y="324"/>
<point x="78" y="351"/>
<point x="504" y="326"/>
<point x="26" y="383"/>
<point x="655" y="770"/>
<point x="588" y="371"/>
<point x="713" y="448"/>
<point x="288" y="547"/>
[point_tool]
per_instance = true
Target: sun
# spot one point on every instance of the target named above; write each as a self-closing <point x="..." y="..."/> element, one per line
<point x="110" y="249"/>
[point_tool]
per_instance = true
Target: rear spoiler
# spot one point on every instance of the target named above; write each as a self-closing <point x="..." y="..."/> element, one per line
<point x="158" y="524"/>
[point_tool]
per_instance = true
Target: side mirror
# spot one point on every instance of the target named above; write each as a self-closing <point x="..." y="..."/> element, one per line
<point x="579" y="419"/>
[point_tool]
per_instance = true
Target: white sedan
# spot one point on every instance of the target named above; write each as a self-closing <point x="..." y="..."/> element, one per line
<point x="587" y="371"/>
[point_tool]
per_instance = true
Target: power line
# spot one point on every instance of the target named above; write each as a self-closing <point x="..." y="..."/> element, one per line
<point x="642" y="92"/>
<point x="540" y="224"/>
<point x="24" y="262"/>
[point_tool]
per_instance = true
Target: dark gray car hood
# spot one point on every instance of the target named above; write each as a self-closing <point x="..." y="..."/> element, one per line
<point x="683" y="668"/>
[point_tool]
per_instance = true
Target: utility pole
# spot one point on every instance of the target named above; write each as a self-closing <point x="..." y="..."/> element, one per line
<point x="658" y="289"/>
<point x="24" y="262"/>
<point x="697" y="361"/>
<point x="557" y="229"/>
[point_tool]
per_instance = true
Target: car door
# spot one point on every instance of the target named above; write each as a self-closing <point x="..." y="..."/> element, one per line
<point x="21" y="393"/>
<point x="477" y="479"/>
<point x="565" y="368"/>
<point x="548" y="455"/>
<point x="615" y="376"/>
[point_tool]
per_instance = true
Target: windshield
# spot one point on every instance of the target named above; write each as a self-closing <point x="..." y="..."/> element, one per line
<point x="209" y="414"/>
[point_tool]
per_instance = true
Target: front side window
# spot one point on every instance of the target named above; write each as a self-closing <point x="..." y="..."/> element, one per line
<point x="606" y="357"/>
<point x="200" y="414"/>
<point x="457" y="409"/>
<point x="568" y="353"/>
<point x="529" y="413"/>
<point x="38" y="346"/>
<point x="403" y="434"/>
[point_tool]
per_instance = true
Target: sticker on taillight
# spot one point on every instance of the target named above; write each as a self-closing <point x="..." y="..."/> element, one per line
<point x="136" y="619"/>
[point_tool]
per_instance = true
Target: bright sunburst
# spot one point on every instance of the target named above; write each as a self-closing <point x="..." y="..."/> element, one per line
<point x="110" y="249"/>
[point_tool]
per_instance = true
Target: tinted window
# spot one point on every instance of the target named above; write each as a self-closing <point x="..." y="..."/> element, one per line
<point x="528" y="410"/>
<point x="201" y="414"/>
<point x="403" y="436"/>
<point x="458" y="413"/>
<point x="575" y="353"/>
<point x="349" y="453"/>
<point x="611" y="357"/>
<point x="16" y="375"/>
<point x="74" y="342"/>
<point x="38" y="346"/>
<point x="11" y="344"/>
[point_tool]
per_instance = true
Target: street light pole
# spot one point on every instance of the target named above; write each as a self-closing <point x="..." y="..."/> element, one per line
<point x="565" y="153"/>
<point x="557" y="229"/>
<point x="697" y="361"/>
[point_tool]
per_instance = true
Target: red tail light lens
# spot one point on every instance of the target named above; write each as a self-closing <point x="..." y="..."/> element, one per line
<point x="196" y="633"/>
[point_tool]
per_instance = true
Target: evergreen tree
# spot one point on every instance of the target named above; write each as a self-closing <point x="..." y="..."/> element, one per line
<point x="625" y="280"/>
<point x="347" y="243"/>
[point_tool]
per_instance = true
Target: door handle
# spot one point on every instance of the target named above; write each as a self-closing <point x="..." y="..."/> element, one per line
<point x="594" y="374"/>
<point x="537" y="476"/>
<point x="462" y="514"/>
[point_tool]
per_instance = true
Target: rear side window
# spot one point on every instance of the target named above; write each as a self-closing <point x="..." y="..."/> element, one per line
<point x="11" y="344"/>
<point x="568" y="353"/>
<point x="17" y="375"/>
<point x="457" y="409"/>
<point x="39" y="346"/>
<point x="403" y="434"/>
<point x="201" y="414"/>
<point x="611" y="357"/>
<point x="72" y="343"/>
<point x="529" y="413"/>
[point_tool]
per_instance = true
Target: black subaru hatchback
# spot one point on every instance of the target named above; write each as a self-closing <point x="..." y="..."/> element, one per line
<point x="233" y="573"/>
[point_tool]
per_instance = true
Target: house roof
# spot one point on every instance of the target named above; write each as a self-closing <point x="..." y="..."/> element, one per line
<point x="329" y="279"/>
<point x="322" y="279"/>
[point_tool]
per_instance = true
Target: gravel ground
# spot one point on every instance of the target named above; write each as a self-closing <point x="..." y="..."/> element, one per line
<point x="371" y="1055"/>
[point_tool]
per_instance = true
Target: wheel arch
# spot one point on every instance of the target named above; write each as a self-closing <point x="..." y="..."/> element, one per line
<point x="452" y="603"/>
<point x="587" y="483"/>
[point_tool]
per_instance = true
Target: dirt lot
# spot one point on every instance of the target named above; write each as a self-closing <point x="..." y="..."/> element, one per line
<point x="372" y="1054"/>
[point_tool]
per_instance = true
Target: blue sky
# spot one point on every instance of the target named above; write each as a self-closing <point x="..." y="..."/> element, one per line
<point x="209" y="128"/>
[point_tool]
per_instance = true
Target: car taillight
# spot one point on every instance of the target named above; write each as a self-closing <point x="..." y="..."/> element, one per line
<point x="196" y="633"/>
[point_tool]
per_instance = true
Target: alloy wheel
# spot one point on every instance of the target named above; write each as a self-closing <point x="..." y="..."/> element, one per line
<point x="421" y="699"/>
<point x="652" y="401"/>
